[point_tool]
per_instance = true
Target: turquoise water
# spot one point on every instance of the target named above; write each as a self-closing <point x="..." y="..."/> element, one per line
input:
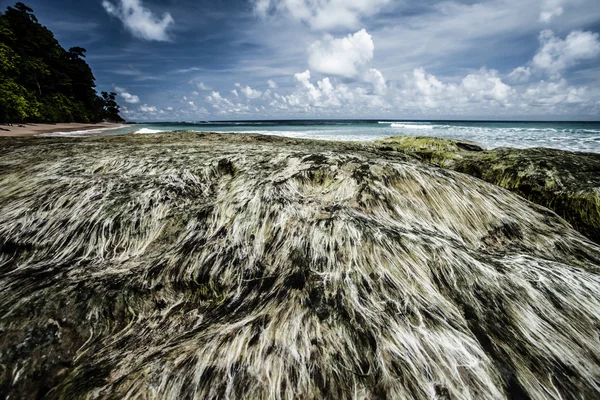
<point x="574" y="136"/>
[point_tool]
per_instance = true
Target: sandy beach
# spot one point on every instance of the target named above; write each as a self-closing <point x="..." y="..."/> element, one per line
<point x="38" y="129"/>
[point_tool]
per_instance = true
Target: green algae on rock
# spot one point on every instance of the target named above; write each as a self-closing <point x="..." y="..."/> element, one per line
<point x="237" y="266"/>
<point x="566" y="182"/>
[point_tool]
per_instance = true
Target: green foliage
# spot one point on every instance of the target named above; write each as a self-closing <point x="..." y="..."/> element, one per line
<point x="42" y="82"/>
<point x="16" y="104"/>
<point x="111" y="108"/>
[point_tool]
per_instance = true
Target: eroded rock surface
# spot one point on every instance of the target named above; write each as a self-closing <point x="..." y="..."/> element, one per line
<point x="234" y="266"/>
<point x="566" y="182"/>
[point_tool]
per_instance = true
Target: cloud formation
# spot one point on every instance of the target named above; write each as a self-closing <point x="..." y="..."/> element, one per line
<point x="148" y="109"/>
<point x="248" y="91"/>
<point x="345" y="57"/>
<point x="224" y="106"/>
<point x="485" y="93"/>
<point x="127" y="97"/>
<point x="375" y="77"/>
<point x="551" y="9"/>
<point x="140" y="21"/>
<point x="325" y="97"/>
<point x="431" y="54"/>
<point x="322" y="14"/>
<point x="203" y="86"/>
<point x="556" y="55"/>
<point x="520" y="75"/>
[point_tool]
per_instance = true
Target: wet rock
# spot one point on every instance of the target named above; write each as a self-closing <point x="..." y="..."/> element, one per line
<point x="240" y="266"/>
<point x="566" y="182"/>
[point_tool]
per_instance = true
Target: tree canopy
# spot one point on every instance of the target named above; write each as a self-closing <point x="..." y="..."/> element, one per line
<point x="40" y="81"/>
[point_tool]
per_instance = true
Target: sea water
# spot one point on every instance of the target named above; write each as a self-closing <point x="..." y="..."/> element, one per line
<point x="573" y="136"/>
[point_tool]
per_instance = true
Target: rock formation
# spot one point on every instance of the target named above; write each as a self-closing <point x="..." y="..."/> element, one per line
<point x="209" y="266"/>
<point x="566" y="182"/>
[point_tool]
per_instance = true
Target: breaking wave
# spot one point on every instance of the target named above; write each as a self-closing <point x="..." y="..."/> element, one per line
<point x="146" y="131"/>
<point x="573" y="136"/>
<point x="412" y="126"/>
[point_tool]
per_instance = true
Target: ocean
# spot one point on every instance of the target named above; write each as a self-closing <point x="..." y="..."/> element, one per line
<point x="573" y="136"/>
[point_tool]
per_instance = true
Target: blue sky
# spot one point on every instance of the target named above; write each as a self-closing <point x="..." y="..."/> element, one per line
<point x="188" y="60"/>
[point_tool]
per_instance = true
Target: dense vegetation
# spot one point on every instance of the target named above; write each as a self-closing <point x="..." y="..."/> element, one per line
<point x="42" y="82"/>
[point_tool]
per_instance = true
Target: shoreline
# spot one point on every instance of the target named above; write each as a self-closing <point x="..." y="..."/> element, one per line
<point x="24" y="130"/>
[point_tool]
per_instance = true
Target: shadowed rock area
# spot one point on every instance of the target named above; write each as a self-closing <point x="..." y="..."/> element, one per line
<point x="566" y="182"/>
<point x="208" y="266"/>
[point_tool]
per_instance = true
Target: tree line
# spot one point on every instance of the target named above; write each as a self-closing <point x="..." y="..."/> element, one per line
<point x="42" y="82"/>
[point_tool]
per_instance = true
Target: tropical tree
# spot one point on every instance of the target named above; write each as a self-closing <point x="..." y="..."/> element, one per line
<point x="40" y="81"/>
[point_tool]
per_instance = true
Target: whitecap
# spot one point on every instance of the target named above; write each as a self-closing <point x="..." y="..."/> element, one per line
<point x="411" y="126"/>
<point x="82" y="132"/>
<point x="147" y="131"/>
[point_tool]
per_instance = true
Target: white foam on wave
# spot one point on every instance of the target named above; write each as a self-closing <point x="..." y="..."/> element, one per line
<point x="82" y="132"/>
<point x="538" y="129"/>
<point x="147" y="131"/>
<point x="490" y="136"/>
<point x="412" y="126"/>
<point x="331" y="135"/>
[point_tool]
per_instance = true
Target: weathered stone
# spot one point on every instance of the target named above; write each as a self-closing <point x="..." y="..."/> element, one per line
<point x="566" y="182"/>
<point x="236" y="266"/>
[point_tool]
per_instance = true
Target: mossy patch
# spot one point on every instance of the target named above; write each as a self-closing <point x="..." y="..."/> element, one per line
<point x="566" y="182"/>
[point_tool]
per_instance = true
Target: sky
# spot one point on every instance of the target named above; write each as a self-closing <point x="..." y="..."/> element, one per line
<point x="197" y="60"/>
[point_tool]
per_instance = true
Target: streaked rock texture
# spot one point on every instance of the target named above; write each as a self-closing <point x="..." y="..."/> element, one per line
<point x="205" y="266"/>
<point x="566" y="182"/>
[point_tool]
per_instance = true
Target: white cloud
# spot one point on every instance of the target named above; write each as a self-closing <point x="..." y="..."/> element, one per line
<point x="483" y="93"/>
<point x="127" y="97"/>
<point x="445" y="33"/>
<point x="520" y="75"/>
<point x="321" y="14"/>
<point x="140" y="21"/>
<point x="148" y="109"/>
<point x="546" y="16"/>
<point x="427" y="89"/>
<point x="329" y="97"/>
<point x="551" y="95"/>
<point x="551" y="9"/>
<point x="345" y="57"/>
<point x="272" y="84"/>
<point x="186" y="70"/>
<point x="486" y="85"/>
<point x="556" y="55"/>
<point x="483" y="89"/>
<point x="303" y="79"/>
<point x="249" y="92"/>
<point x="203" y="86"/>
<point x="235" y="93"/>
<point x="214" y="97"/>
<point x="225" y="106"/>
<point x="375" y="77"/>
<point x="479" y="93"/>
<point x="169" y="108"/>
